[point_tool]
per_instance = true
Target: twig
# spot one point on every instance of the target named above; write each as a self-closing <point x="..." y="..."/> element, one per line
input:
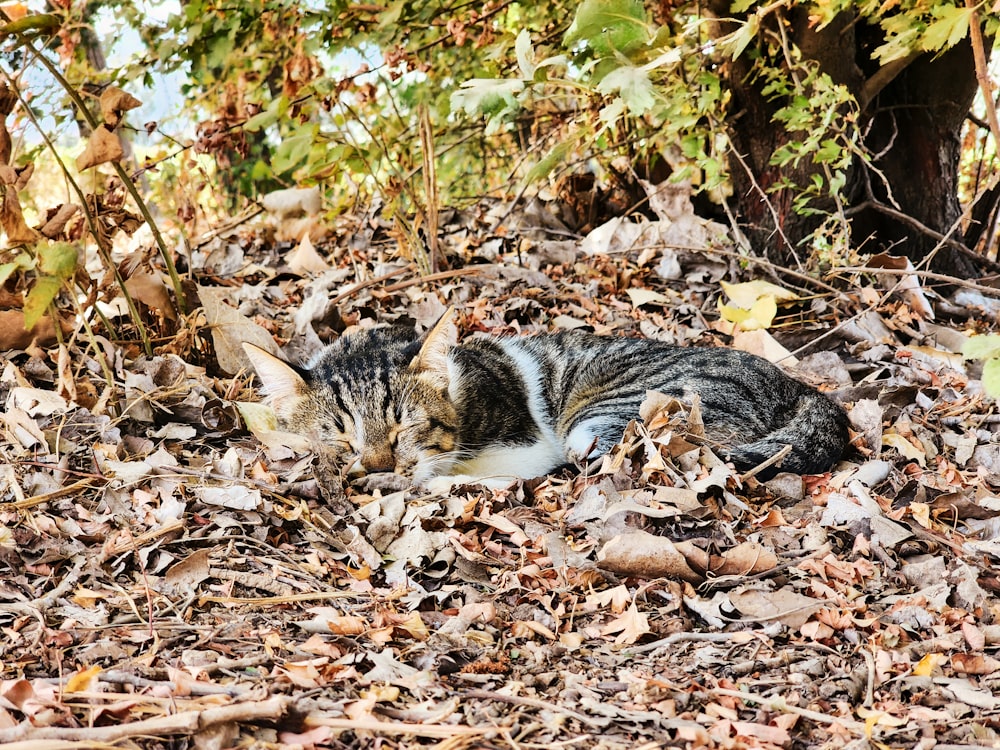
<point x="770" y="206"/>
<point x="535" y="703"/>
<point x="778" y="704"/>
<point x="942" y="239"/>
<point x="952" y="280"/>
<point x="673" y="638"/>
<point x="440" y="276"/>
<point x="430" y="187"/>
<point x="266" y="601"/>
<point x="186" y="723"/>
<point x="396" y="727"/>
<point x="982" y="72"/>
<point x="777" y="458"/>
<point x="361" y="285"/>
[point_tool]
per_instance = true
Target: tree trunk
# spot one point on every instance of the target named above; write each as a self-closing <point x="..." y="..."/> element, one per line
<point x="912" y="123"/>
<point x="915" y="126"/>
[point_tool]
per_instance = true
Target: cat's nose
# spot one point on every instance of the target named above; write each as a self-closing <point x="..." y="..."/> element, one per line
<point x="378" y="460"/>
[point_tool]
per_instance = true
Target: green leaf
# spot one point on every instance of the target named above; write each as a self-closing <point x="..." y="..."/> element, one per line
<point x="268" y="117"/>
<point x="486" y="96"/>
<point x="551" y="160"/>
<point x="292" y="152"/>
<point x="632" y="85"/>
<point x="609" y="26"/>
<point x="39" y="298"/>
<point x="991" y="377"/>
<point x="22" y="262"/>
<point x="736" y="42"/>
<point x="982" y="347"/>
<point x="830" y="151"/>
<point x="951" y="27"/>
<point x="390" y="16"/>
<point x="57" y="259"/>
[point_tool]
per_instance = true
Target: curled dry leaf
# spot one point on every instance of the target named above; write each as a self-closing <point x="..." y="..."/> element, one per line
<point x="24" y="175"/>
<point x="103" y="146"/>
<point x="115" y="103"/>
<point x="56" y="223"/>
<point x="7" y="101"/>
<point x="746" y="558"/>
<point x="6" y="144"/>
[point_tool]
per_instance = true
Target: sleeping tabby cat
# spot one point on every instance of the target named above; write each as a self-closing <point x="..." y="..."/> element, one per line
<point x="497" y="408"/>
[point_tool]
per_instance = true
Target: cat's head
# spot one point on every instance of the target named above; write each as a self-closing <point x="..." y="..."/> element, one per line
<point x="376" y="399"/>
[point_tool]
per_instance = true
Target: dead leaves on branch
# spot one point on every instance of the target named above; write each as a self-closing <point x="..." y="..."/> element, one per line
<point x="48" y="263"/>
<point x="104" y="145"/>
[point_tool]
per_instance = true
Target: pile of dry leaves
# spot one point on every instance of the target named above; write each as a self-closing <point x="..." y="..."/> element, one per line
<point x="168" y="572"/>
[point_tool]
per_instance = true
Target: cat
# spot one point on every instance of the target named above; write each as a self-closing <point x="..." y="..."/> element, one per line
<point x="493" y="409"/>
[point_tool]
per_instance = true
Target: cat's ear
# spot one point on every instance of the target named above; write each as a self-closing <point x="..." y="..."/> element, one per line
<point x="283" y="385"/>
<point x="432" y="360"/>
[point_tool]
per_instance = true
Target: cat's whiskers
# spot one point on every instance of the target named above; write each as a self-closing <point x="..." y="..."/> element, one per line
<point x="438" y="464"/>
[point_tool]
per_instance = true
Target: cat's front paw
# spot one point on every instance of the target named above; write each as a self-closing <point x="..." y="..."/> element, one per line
<point x="383" y="481"/>
<point x="445" y="485"/>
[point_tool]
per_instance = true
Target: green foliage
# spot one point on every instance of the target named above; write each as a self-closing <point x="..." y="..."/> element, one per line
<point x="659" y="81"/>
<point x="54" y="265"/>
<point x="986" y="348"/>
<point x="332" y="93"/>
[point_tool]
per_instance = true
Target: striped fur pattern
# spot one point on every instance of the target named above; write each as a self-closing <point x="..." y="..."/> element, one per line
<point x="523" y="406"/>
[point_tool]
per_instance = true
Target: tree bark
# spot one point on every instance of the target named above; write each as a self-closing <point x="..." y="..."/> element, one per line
<point x="915" y="125"/>
<point x="911" y="116"/>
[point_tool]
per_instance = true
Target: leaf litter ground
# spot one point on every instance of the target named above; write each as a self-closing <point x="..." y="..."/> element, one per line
<point x="170" y="577"/>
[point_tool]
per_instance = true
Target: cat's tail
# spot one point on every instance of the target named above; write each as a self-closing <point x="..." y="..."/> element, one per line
<point x="816" y="430"/>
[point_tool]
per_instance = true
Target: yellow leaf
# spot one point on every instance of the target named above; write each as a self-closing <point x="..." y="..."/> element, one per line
<point x="759" y="315"/>
<point x="928" y="664"/>
<point x="921" y="513"/>
<point x="746" y="294"/>
<point x="382" y="693"/>
<point x="414" y="625"/>
<point x="82" y="680"/>
<point x="87" y="598"/>
<point x="905" y="447"/>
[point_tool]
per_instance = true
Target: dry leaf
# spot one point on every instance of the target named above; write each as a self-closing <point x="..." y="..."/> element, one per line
<point x="12" y="219"/>
<point x="975" y="664"/>
<point x="103" y="146"/>
<point x="185" y="575"/>
<point x="763" y="344"/>
<point x="230" y="330"/>
<point x="630" y="626"/>
<point x="641" y="554"/>
<point x="114" y="103"/>
<point x="788" y="607"/>
<point x="14" y="336"/>
<point x="907" y="283"/>
<point x="55" y="225"/>
<point x="304" y="259"/>
<point x="149" y="288"/>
